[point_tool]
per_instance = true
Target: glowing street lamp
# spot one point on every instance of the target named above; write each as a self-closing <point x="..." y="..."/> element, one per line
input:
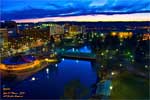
<point x="131" y="56"/>
<point x="132" y="60"/>
<point x="146" y="66"/>
<point x="110" y="57"/>
<point x="101" y="34"/>
<point x="110" y="87"/>
<point x="112" y="73"/>
<point x="120" y="65"/>
<point x="107" y="51"/>
<point x="117" y="50"/>
<point x="102" y="53"/>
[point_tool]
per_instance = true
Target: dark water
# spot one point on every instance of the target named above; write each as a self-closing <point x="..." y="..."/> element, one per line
<point x="68" y="79"/>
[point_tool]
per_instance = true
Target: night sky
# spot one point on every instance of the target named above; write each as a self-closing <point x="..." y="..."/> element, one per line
<point x="75" y="10"/>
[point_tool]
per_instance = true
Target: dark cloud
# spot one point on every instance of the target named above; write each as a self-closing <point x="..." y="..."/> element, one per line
<point x="59" y="8"/>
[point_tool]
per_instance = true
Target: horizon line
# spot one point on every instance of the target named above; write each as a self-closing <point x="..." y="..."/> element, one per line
<point x="136" y="17"/>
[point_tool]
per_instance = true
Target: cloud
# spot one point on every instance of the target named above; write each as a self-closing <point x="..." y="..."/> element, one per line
<point x="91" y="18"/>
<point x="24" y="9"/>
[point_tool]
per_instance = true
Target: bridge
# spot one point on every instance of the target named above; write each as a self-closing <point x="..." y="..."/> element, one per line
<point x="76" y="55"/>
<point x="64" y="53"/>
<point x="79" y="56"/>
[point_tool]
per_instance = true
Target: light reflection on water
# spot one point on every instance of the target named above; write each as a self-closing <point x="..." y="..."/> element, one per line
<point x="51" y="81"/>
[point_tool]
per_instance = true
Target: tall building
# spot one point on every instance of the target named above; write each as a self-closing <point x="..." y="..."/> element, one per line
<point x="146" y="36"/>
<point x="11" y="27"/>
<point x="66" y="28"/>
<point x="75" y="29"/>
<point x="56" y="29"/>
<point x="3" y="37"/>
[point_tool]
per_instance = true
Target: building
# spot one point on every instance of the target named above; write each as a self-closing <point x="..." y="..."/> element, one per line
<point x="56" y="29"/>
<point x="75" y="29"/>
<point x="146" y="36"/>
<point x="11" y="26"/>
<point x="122" y="35"/>
<point x="3" y="37"/>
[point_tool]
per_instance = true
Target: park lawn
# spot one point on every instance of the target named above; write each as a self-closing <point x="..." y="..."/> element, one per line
<point x="128" y="86"/>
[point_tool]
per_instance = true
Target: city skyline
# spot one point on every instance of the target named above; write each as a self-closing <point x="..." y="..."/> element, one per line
<point x="75" y="10"/>
<point x="74" y="49"/>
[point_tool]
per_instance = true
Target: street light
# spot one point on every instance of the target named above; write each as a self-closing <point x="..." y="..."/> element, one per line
<point x="146" y="66"/>
<point x="112" y="73"/>
<point x="102" y="53"/>
<point x="110" y="87"/>
<point x="120" y="65"/>
<point x="102" y="34"/>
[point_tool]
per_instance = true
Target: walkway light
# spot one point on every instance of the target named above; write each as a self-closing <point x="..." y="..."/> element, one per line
<point x="131" y="56"/>
<point x="120" y="44"/>
<point x="55" y="53"/>
<point x="117" y="50"/>
<point x="112" y="73"/>
<point x="110" y="87"/>
<point x="120" y="65"/>
<point x="102" y="53"/>
<point x="107" y="51"/>
<point x="146" y="66"/>
<point x="132" y="60"/>
<point x="110" y="57"/>
<point x="102" y="34"/>
<point x="128" y="53"/>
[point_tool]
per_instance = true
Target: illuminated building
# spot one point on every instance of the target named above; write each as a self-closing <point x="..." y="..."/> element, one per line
<point x="18" y="63"/>
<point x="23" y="26"/>
<point x="46" y="25"/>
<point x="146" y="37"/>
<point x="55" y="29"/>
<point x="74" y="29"/>
<point x="122" y="35"/>
<point x="114" y="33"/>
<point x="66" y="28"/>
<point x="3" y="37"/>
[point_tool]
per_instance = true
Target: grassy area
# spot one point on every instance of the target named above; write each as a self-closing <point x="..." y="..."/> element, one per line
<point x="129" y="86"/>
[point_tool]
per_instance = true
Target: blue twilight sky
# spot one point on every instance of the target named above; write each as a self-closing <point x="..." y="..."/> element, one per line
<point x="31" y="9"/>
